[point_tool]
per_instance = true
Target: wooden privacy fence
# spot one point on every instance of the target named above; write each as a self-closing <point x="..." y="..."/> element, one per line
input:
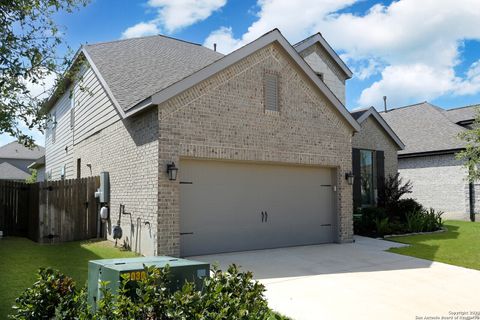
<point x="19" y="209"/>
<point x="52" y="211"/>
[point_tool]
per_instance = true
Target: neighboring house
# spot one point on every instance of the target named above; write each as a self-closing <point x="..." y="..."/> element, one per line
<point x="39" y="165"/>
<point x="431" y="136"/>
<point x="15" y="159"/>
<point x="374" y="156"/>
<point x="261" y="143"/>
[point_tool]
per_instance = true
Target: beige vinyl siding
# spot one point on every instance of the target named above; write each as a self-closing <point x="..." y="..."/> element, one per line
<point x="58" y="138"/>
<point x="94" y="110"/>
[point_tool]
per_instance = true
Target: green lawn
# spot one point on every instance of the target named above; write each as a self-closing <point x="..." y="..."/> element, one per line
<point x="460" y="245"/>
<point x="20" y="259"/>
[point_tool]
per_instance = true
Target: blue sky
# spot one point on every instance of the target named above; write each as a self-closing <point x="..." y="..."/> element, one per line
<point x="409" y="50"/>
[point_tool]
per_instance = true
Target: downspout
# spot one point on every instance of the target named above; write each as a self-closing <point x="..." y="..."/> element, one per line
<point x="471" y="198"/>
<point x="471" y="195"/>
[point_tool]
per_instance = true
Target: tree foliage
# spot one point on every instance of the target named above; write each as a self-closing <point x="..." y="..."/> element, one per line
<point x="29" y="43"/>
<point x="471" y="154"/>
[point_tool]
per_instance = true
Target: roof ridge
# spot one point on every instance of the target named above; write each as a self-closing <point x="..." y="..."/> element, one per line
<point x="145" y="37"/>
<point x="464" y="107"/>
<point x="407" y="106"/>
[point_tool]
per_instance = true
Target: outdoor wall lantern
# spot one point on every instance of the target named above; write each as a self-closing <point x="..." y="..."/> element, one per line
<point x="172" y="171"/>
<point x="349" y="177"/>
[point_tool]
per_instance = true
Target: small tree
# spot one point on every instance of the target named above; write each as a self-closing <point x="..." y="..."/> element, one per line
<point x="471" y="154"/>
<point x="29" y="42"/>
<point x="33" y="176"/>
<point x="390" y="197"/>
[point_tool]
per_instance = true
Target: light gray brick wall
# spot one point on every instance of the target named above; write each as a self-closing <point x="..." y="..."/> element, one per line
<point x="128" y="150"/>
<point x="438" y="182"/>
<point x="223" y="117"/>
<point x="373" y="137"/>
<point x="333" y="76"/>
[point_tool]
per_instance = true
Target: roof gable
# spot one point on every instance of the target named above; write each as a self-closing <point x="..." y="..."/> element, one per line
<point x="424" y="128"/>
<point x="362" y="115"/>
<point x="320" y="40"/>
<point x="235" y="56"/>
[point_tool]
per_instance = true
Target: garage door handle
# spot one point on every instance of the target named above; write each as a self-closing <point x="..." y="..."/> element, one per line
<point x="263" y="216"/>
<point x="266" y="216"/>
<point x="326" y="225"/>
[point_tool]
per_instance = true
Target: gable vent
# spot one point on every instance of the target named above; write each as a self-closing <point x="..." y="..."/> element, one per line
<point x="271" y="91"/>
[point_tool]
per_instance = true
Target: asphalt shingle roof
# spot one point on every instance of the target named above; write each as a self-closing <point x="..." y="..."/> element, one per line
<point x="10" y="172"/>
<point x="15" y="150"/>
<point x="462" y="114"/>
<point x="424" y="127"/>
<point x="135" y="69"/>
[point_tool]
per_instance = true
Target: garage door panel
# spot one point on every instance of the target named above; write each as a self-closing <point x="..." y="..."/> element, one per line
<point x="221" y="208"/>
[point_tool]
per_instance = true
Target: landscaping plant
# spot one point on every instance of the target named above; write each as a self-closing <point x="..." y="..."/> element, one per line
<point x="390" y="198"/>
<point x="424" y="220"/>
<point x="226" y="295"/>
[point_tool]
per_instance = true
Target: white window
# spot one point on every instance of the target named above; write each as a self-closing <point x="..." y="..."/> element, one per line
<point x="63" y="171"/>
<point x="72" y="109"/>
<point x="53" y="121"/>
<point x="271" y="91"/>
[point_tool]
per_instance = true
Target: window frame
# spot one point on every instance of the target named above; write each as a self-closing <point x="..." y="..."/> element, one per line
<point x="373" y="192"/>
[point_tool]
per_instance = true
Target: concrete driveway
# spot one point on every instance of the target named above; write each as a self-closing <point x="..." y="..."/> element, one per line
<point x="357" y="281"/>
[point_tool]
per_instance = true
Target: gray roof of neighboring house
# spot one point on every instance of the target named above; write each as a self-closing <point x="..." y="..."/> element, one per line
<point x="37" y="164"/>
<point x="10" y="172"/>
<point x="15" y="150"/>
<point x="135" y="69"/>
<point x="462" y="114"/>
<point x="424" y="127"/>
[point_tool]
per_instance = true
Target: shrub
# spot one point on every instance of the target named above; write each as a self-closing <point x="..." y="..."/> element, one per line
<point x="365" y="221"/>
<point x="391" y="195"/>
<point x="52" y="290"/>
<point x="424" y="220"/>
<point x="406" y="205"/>
<point x="382" y="226"/>
<point x="226" y="295"/>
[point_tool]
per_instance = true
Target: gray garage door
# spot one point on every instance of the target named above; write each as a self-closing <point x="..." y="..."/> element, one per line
<point x="230" y="206"/>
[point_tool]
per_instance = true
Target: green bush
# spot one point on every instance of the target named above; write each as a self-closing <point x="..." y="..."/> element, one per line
<point x="382" y="226"/>
<point x="226" y="295"/>
<point x="404" y="206"/>
<point x="50" y="292"/>
<point x="366" y="221"/>
<point x="424" y="220"/>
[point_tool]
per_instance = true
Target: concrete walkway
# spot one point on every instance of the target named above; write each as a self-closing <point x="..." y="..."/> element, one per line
<point x="357" y="281"/>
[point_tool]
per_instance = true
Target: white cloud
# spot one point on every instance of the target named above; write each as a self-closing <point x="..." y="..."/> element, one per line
<point x="406" y="83"/>
<point x="173" y="15"/>
<point x="42" y="88"/>
<point x="224" y="39"/>
<point x="141" y="29"/>
<point x="176" y="14"/>
<point x="413" y="46"/>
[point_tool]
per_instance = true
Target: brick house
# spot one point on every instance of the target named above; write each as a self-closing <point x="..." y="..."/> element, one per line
<point x="431" y="137"/>
<point x="261" y="139"/>
<point x="374" y="156"/>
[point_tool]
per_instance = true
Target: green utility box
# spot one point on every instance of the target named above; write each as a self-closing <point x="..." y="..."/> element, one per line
<point x="111" y="270"/>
